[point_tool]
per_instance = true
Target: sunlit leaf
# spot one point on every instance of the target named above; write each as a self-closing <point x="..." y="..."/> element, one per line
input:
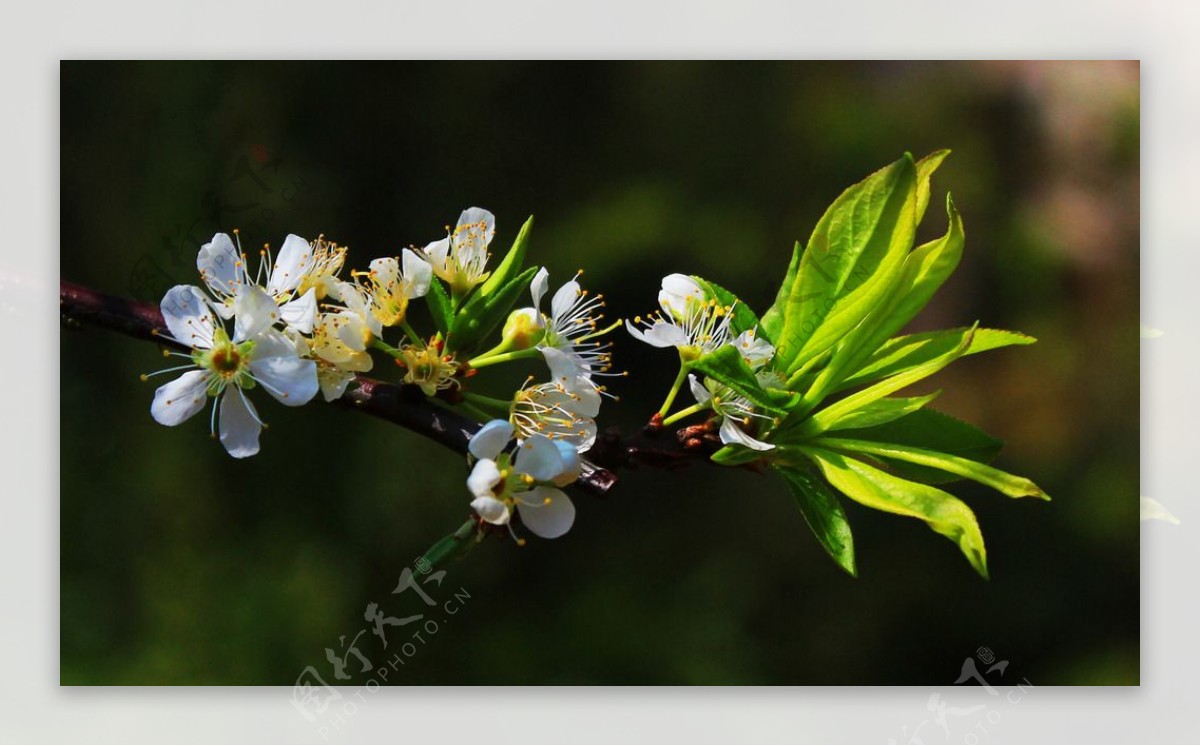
<point x="909" y="351"/>
<point x="853" y="255"/>
<point x="944" y="513"/>
<point x="824" y="419"/>
<point x="1000" y="481"/>
<point x="934" y="431"/>
<point x="881" y="411"/>
<point x="726" y="365"/>
<point x="823" y="514"/>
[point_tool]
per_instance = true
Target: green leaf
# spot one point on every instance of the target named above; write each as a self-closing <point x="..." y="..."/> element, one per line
<point x="852" y="258"/>
<point x="440" y="306"/>
<point x="902" y="353"/>
<point x="735" y="455"/>
<point x="1001" y="481"/>
<point x="944" y="513"/>
<point x="932" y="430"/>
<point x="925" y="168"/>
<point x="449" y="547"/>
<point x="823" y="513"/>
<point x="483" y="313"/>
<point x="879" y="412"/>
<point x="743" y="316"/>
<point x="511" y="264"/>
<point x="824" y="419"/>
<point x="772" y="320"/>
<point x="924" y="271"/>
<point x="726" y="365"/>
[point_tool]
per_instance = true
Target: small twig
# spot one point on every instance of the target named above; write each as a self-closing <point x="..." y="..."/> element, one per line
<point x="405" y="406"/>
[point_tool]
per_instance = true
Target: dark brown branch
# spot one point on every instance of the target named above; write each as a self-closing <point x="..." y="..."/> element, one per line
<point x="406" y="406"/>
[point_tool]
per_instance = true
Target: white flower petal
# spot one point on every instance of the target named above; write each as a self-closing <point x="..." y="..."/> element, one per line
<point x="539" y="286"/>
<point x="189" y="318"/>
<point x="585" y="396"/>
<point x="491" y="439"/>
<point x="475" y="230"/>
<point x="178" y="400"/>
<point x="484" y="478"/>
<point x="562" y="301"/>
<point x="351" y="330"/>
<point x="239" y="424"/>
<point x="438" y="251"/>
<point x="220" y="265"/>
<point x="545" y="511"/>
<point x="572" y="466"/>
<point x="661" y="334"/>
<point x="254" y="311"/>
<point x="756" y="350"/>
<point x="698" y="390"/>
<point x="731" y="433"/>
<point x="678" y="292"/>
<point x="334" y="382"/>
<point x="291" y="264"/>
<point x="539" y="458"/>
<point x="491" y="510"/>
<point x="301" y="313"/>
<point x="417" y="272"/>
<point x="386" y="270"/>
<point x="565" y="367"/>
<point x="274" y="364"/>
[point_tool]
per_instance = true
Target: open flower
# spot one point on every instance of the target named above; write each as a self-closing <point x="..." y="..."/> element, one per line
<point x="689" y="320"/>
<point x="321" y="275"/>
<point x="393" y="282"/>
<point x="426" y="366"/>
<point x="461" y="257"/>
<point x="527" y="482"/>
<point x="736" y="412"/>
<point x="571" y="329"/>
<point x="557" y="412"/>
<point x="755" y="350"/>
<point x="222" y="266"/>
<point x="225" y="368"/>
<point x="339" y="347"/>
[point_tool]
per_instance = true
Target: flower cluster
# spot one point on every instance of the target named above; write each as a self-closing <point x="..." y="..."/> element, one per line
<point x="806" y="389"/>
<point x="697" y="324"/>
<point x="526" y="481"/>
<point x="295" y="325"/>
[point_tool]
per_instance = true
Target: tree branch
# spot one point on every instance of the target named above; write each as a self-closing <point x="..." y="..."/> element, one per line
<point x="406" y="406"/>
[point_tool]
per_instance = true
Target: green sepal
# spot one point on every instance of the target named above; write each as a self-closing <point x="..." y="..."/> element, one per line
<point x="440" y="306"/>
<point x="511" y="263"/>
<point x="480" y="316"/>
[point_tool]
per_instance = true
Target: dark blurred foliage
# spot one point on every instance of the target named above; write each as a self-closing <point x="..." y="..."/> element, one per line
<point x="183" y="566"/>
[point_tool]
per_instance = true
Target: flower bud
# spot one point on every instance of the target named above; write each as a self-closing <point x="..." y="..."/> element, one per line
<point x="523" y="329"/>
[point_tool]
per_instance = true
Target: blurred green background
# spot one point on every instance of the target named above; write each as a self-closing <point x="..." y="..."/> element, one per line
<point x="181" y="565"/>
